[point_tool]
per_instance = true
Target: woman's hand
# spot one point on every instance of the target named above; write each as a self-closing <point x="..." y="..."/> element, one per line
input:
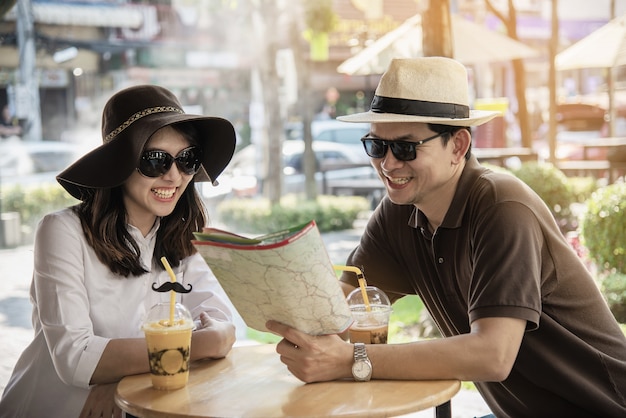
<point x="100" y="403"/>
<point x="213" y="339"/>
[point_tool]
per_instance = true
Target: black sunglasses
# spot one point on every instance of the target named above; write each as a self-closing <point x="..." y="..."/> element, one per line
<point x="155" y="163"/>
<point x="401" y="150"/>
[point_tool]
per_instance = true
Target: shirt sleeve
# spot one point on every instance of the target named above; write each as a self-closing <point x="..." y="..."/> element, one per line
<point x="207" y="294"/>
<point x="507" y="272"/>
<point x="61" y="299"/>
<point x="381" y="264"/>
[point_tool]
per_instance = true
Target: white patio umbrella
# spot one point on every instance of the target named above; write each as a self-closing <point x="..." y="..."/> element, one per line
<point x="603" y="48"/>
<point x="472" y="44"/>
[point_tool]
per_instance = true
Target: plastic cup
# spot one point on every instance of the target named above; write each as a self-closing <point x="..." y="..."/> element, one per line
<point x="169" y="345"/>
<point x="369" y="327"/>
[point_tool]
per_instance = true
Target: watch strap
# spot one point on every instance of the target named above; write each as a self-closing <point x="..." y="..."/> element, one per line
<point x="361" y="364"/>
<point x="359" y="352"/>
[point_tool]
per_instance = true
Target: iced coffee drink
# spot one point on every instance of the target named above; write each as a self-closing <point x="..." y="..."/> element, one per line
<point x="371" y="320"/>
<point x="369" y="327"/>
<point x="169" y="345"/>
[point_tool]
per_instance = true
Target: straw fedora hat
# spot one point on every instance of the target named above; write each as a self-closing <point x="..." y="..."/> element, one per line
<point x="427" y="90"/>
<point x="129" y="119"/>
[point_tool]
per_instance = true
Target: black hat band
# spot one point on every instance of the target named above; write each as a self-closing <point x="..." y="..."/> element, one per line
<point x="381" y="104"/>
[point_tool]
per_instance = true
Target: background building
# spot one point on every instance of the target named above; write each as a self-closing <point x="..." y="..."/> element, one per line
<point x="205" y="50"/>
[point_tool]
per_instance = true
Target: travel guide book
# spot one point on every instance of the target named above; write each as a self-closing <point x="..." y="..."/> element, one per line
<point x="286" y="276"/>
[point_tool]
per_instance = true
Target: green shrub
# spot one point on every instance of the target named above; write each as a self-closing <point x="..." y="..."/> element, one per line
<point x="613" y="288"/>
<point x="496" y="168"/>
<point x="405" y="319"/>
<point x="33" y="202"/>
<point x="331" y="213"/>
<point x="553" y="187"/>
<point x="583" y="187"/>
<point x="602" y="227"/>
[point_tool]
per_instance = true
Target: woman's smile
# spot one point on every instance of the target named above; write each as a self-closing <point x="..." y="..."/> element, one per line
<point x="165" y="193"/>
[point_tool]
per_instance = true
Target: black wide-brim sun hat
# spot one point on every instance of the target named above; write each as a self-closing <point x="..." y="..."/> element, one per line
<point x="129" y="119"/>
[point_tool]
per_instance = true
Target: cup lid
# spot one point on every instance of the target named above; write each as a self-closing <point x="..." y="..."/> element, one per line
<point x="160" y="313"/>
<point x="375" y="296"/>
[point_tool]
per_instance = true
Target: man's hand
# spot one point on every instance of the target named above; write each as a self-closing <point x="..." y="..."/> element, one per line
<point x="100" y="403"/>
<point x="313" y="358"/>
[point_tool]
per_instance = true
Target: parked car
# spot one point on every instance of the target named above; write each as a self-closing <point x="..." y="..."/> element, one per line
<point x="31" y="162"/>
<point x="244" y="174"/>
<point x="331" y="130"/>
<point x="340" y="132"/>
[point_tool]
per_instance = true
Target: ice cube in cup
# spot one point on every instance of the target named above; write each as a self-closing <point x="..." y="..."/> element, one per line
<point x="371" y="319"/>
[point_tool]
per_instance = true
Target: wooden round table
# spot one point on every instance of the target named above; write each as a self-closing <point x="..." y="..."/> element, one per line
<point x="252" y="382"/>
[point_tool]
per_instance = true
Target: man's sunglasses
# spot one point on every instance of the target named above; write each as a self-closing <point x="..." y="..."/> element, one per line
<point x="401" y="150"/>
<point x="155" y="163"/>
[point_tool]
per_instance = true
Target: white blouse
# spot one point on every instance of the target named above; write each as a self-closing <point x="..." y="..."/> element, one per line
<point x="79" y="305"/>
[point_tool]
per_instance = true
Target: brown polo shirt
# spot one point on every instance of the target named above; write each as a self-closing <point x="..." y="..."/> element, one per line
<point x="499" y="253"/>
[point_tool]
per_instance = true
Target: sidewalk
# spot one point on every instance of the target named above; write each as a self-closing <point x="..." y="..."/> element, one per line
<point x="16" y="266"/>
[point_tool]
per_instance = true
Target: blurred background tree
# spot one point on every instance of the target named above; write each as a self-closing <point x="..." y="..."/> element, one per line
<point x="437" y="39"/>
<point x="510" y="22"/>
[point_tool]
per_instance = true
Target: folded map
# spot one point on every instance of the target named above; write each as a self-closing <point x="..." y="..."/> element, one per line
<point x="286" y="276"/>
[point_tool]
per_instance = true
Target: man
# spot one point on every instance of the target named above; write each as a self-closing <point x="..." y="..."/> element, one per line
<point x="521" y="315"/>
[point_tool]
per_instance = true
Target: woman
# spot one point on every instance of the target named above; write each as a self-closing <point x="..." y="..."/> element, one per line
<point x="96" y="263"/>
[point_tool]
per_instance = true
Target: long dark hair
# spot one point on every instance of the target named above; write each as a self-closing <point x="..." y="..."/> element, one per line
<point x="104" y="221"/>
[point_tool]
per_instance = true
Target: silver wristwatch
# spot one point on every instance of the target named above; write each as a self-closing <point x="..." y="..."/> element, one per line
<point x="362" y="367"/>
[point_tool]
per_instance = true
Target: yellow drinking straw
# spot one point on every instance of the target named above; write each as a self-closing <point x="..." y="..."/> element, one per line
<point x="167" y="266"/>
<point x="362" y="284"/>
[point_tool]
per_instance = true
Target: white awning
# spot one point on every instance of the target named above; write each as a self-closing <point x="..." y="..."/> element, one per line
<point x="84" y="15"/>
<point x="603" y="48"/>
<point x="472" y="43"/>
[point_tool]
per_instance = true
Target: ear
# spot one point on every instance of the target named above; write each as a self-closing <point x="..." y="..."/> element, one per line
<point x="461" y="142"/>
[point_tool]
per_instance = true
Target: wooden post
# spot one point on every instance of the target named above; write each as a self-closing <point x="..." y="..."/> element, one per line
<point x="437" y="30"/>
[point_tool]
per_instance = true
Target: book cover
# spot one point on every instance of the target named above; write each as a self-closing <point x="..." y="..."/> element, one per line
<point x="286" y="276"/>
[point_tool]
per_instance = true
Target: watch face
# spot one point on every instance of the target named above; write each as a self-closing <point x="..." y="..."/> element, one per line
<point x="361" y="370"/>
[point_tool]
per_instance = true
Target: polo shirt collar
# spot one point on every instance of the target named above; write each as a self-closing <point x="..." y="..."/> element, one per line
<point x="454" y="216"/>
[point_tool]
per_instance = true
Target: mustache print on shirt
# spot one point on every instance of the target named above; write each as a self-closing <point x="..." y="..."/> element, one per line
<point x="168" y="286"/>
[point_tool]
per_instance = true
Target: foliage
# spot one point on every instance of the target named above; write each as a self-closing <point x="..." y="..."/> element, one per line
<point x="580" y="188"/>
<point x="583" y="187"/>
<point x="32" y="203"/>
<point x="406" y="313"/>
<point x="331" y="213"/>
<point x="553" y="187"/>
<point x="602" y="227"/>
<point x="262" y="337"/>
<point x="613" y="288"/>
<point x="320" y="17"/>
<point x="496" y="168"/>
